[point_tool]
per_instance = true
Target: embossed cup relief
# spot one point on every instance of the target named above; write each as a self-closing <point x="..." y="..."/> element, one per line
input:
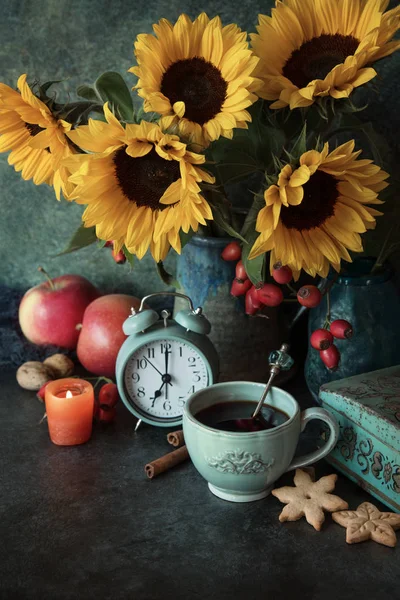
<point x="239" y="462"/>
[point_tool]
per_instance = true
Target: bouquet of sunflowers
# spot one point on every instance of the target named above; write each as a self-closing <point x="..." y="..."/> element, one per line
<point x="276" y="112"/>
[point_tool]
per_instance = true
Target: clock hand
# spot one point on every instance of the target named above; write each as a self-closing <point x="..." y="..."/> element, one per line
<point x="166" y="371"/>
<point x="157" y="394"/>
<point x="154" y="367"/>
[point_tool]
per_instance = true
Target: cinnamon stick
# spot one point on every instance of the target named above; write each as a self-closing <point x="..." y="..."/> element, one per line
<point x="166" y="462"/>
<point x="176" y="438"/>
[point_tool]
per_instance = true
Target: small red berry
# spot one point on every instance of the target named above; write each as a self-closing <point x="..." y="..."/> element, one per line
<point x="282" y="273"/>
<point x="109" y="244"/>
<point x="341" y="329"/>
<point x="119" y="257"/>
<point x="270" y="294"/>
<point x="240" y="287"/>
<point x="106" y="414"/>
<point x="309" y="296"/>
<point x="240" y="271"/>
<point x="321" y="339"/>
<point x="254" y="297"/>
<point x="108" y="395"/>
<point x="232" y="251"/>
<point x="41" y="393"/>
<point x="330" y="357"/>
<point x="250" y="307"/>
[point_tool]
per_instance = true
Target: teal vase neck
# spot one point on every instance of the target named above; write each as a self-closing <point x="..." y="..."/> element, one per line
<point x="358" y="273"/>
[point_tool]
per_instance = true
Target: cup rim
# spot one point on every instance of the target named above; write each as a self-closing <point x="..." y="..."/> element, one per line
<point x="229" y="384"/>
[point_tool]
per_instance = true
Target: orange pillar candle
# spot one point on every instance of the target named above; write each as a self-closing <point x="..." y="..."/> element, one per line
<point x="69" y="409"/>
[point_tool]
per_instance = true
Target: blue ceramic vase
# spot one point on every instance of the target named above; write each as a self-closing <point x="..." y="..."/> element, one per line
<point x="372" y="305"/>
<point x="242" y="342"/>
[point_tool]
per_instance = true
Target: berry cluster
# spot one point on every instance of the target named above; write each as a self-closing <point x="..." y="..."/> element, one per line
<point x="322" y="340"/>
<point x="269" y="294"/>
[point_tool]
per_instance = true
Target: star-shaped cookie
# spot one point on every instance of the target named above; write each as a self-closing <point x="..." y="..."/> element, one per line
<point x="367" y="522"/>
<point x="309" y="499"/>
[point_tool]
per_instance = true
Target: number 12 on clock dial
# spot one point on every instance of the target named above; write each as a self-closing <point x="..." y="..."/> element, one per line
<point x="161" y="375"/>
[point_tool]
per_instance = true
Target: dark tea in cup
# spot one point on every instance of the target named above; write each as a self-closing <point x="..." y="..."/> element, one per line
<point x="236" y="416"/>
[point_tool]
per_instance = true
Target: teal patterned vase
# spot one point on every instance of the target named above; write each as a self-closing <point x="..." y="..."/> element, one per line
<point x="372" y="305"/>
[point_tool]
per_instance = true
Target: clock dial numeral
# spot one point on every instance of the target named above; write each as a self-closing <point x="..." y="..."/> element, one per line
<point x="164" y="397"/>
<point x="165" y="346"/>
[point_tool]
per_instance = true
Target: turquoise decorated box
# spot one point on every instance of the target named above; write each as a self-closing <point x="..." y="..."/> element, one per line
<point x="367" y="408"/>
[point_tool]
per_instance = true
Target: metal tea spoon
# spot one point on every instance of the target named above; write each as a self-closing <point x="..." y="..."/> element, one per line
<point x="279" y="360"/>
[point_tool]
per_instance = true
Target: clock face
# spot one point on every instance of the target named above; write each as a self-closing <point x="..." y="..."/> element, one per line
<point x="161" y="375"/>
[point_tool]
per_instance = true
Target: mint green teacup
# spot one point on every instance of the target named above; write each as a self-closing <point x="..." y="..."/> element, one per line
<point x="243" y="466"/>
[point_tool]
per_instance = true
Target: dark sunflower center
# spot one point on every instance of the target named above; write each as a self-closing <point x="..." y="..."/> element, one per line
<point x="317" y="57"/>
<point x="143" y="180"/>
<point x="320" y="195"/>
<point x="197" y="83"/>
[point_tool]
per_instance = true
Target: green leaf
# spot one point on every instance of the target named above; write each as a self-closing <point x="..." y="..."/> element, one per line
<point x="185" y="237"/>
<point x="101" y="243"/>
<point x="225" y="226"/>
<point x="166" y="277"/>
<point x="255" y="268"/>
<point x="45" y="86"/>
<point x="129" y="257"/>
<point x="300" y="145"/>
<point x="111" y="88"/>
<point x="84" y="236"/>
<point x="87" y="92"/>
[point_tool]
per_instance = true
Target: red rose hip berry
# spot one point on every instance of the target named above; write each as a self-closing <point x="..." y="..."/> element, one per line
<point x="106" y="414"/>
<point x="270" y="294"/>
<point x="309" y="296"/>
<point x="341" y="329"/>
<point x="253" y="292"/>
<point x="241" y="271"/>
<point x="330" y="357"/>
<point x="232" y="251"/>
<point x="282" y="273"/>
<point x="240" y="287"/>
<point x="321" y="339"/>
<point x="250" y="306"/>
<point x="108" y="395"/>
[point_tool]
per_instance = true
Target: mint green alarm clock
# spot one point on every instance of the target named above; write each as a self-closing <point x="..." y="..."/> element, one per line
<point x="164" y="361"/>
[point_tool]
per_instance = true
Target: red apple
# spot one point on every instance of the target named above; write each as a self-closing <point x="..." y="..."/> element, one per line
<point x="101" y="334"/>
<point x="50" y="311"/>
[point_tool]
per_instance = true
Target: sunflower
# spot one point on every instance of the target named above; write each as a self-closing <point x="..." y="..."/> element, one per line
<point x="35" y="137"/>
<point x="198" y="76"/>
<point x="316" y="212"/>
<point x="315" y="48"/>
<point x="141" y="185"/>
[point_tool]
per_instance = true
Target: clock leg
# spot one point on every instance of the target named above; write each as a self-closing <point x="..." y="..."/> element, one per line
<point x="138" y="424"/>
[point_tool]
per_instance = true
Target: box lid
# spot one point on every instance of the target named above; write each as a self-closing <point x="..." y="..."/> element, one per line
<point x="371" y="400"/>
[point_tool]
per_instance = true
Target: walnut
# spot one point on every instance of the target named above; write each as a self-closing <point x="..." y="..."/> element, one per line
<point x="33" y="374"/>
<point x="60" y="364"/>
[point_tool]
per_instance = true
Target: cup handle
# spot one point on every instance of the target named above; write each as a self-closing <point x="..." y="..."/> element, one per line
<point x="322" y="415"/>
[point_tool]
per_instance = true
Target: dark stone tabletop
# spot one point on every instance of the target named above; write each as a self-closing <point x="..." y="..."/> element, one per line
<point x="84" y="522"/>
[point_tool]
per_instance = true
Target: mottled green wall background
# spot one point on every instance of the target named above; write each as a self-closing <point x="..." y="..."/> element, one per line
<point x="77" y="40"/>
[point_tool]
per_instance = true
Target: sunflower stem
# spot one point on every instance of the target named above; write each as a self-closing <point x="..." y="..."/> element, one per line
<point x="328" y="310"/>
